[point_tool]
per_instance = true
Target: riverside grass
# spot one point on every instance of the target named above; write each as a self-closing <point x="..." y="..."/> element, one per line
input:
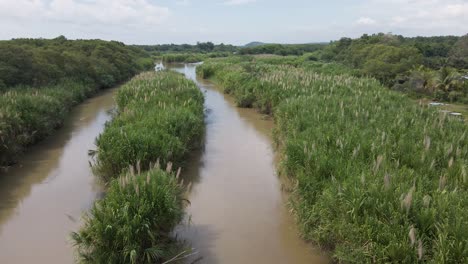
<point x="378" y="178"/>
<point x="160" y="116"/>
<point x="133" y="222"/>
<point x="28" y="114"/>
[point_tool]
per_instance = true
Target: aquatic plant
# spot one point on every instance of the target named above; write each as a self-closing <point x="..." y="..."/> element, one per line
<point x="160" y="116"/>
<point x="28" y="115"/>
<point x="370" y="165"/>
<point x="132" y="224"/>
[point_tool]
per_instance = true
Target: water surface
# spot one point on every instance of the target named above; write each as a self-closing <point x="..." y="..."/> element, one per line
<point x="238" y="212"/>
<point x="43" y="197"/>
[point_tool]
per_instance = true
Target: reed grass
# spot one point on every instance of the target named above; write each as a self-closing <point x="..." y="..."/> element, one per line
<point x="133" y="222"/>
<point x="379" y="179"/>
<point x="160" y="116"/>
<point x="28" y="115"/>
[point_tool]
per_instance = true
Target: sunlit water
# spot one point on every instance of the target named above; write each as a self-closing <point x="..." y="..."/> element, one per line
<point x="43" y="197"/>
<point x="238" y="212"/>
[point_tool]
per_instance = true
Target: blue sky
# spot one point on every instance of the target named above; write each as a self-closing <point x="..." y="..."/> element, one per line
<point x="229" y="21"/>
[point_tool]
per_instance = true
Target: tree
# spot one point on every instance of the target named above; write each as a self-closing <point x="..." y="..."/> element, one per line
<point x="459" y="53"/>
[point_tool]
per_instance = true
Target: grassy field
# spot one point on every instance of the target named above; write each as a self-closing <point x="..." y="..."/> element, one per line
<point x="378" y="177"/>
<point x="160" y="117"/>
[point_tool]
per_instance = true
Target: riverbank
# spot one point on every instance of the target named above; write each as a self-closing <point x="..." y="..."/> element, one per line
<point x="42" y="79"/>
<point x="43" y="196"/>
<point x="363" y="184"/>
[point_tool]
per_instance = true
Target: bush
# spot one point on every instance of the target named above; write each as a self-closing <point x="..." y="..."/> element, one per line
<point x="160" y="115"/>
<point x="132" y="224"/>
<point x="28" y="115"/>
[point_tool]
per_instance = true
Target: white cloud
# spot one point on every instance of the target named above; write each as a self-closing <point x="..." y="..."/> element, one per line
<point x="238" y="2"/>
<point x="80" y="12"/>
<point x="366" y="21"/>
<point x="419" y="17"/>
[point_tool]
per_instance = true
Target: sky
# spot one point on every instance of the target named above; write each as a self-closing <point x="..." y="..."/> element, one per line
<point x="229" y="21"/>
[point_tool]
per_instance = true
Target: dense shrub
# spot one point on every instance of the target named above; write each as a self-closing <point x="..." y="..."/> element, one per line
<point x="28" y="115"/>
<point x="160" y="115"/>
<point x="188" y="58"/>
<point x="132" y="224"/>
<point x="378" y="178"/>
<point x="40" y="80"/>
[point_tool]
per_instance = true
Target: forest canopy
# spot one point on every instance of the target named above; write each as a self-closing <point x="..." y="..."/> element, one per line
<point x="38" y="62"/>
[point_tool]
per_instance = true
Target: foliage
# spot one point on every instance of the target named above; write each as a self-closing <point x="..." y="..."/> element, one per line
<point x="459" y="53"/>
<point x="133" y="222"/>
<point x="283" y="50"/>
<point x="397" y="62"/>
<point x="40" y="80"/>
<point x="379" y="178"/>
<point x="445" y="84"/>
<point x="38" y="62"/>
<point x="160" y="116"/>
<point x="181" y="58"/>
<point x="28" y="115"/>
<point x="200" y="47"/>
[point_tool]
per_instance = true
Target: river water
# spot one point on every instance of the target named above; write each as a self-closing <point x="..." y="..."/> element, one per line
<point x="238" y="213"/>
<point x="43" y="197"/>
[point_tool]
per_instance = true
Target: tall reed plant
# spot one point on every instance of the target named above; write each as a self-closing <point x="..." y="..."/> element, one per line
<point x="378" y="177"/>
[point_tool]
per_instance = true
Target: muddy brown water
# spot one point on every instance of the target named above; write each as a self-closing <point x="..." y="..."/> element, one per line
<point x="238" y="213"/>
<point x="43" y="197"/>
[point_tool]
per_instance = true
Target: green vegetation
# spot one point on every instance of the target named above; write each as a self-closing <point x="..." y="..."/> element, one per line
<point x="200" y="47"/>
<point x="38" y="62"/>
<point x="40" y="80"/>
<point x="183" y="58"/>
<point x="282" y="49"/>
<point x="432" y="66"/>
<point x="378" y="178"/>
<point x="160" y="116"/>
<point x="31" y="114"/>
<point x="133" y="222"/>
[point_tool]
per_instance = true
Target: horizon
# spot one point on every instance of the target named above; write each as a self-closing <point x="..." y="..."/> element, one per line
<point x="236" y="22"/>
<point x="218" y="43"/>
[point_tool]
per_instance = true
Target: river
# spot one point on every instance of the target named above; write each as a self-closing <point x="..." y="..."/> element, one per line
<point x="238" y="213"/>
<point x="43" y="197"/>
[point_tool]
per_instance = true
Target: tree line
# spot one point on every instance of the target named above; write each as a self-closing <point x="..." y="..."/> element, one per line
<point x="200" y="47"/>
<point x="38" y="62"/>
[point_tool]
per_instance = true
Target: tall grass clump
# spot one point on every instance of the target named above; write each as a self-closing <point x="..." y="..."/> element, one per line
<point x="29" y="114"/>
<point x="378" y="178"/>
<point x="159" y="116"/>
<point x="133" y="222"/>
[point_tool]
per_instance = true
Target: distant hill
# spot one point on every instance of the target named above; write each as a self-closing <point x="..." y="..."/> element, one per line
<point x="254" y="44"/>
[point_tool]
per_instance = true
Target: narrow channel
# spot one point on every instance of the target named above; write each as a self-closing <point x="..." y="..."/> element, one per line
<point x="238" y="213"/>
<point x="43" y="197"/>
